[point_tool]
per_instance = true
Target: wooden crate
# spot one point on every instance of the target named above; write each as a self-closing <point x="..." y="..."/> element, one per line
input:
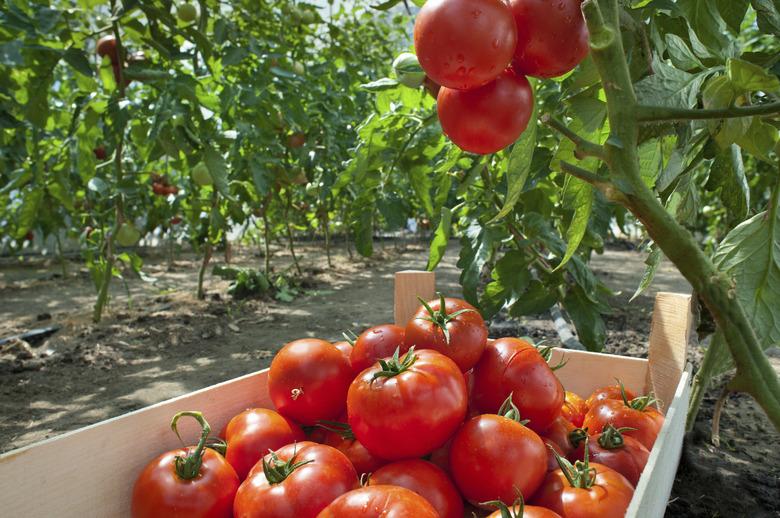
<point x="90" y="472"/>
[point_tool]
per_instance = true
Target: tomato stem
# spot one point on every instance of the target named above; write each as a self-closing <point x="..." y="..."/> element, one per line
<point x="439" y="317"/>
<point x="188" y="466"/>
<point x="509" y="410"/>
<point x="506" y="512"/>
<point x="579" y="474"/>
<point x="638" y="403"/>
<point x="577" y="436"/>
<point x="276" y="471"/>
<point x="343" y="429"/>
<point x="395" y="366"/>
<point x="612" y="438"/>
<point x="350" y="337"/>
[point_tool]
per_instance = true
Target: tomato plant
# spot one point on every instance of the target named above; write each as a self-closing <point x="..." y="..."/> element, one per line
<point x="196" y="482"/>
<point x="407" y="407"/>
<point x="308" y="380"/>
<point x="296" y="481"/>
<point x="375" y="501"/>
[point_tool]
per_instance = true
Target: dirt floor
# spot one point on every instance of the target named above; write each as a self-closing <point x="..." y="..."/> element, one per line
<point x="158" y="342"/>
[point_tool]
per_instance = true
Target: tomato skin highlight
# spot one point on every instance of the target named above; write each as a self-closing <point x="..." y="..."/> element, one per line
<point x="425" y="479"/>
<point x="608" y="392"/>
<point x="305" y="492"/>
<point x="411" y="414"/>
<point x="552" y="37"/>
<point x="492" y="456"/>
<point x="159" y="491"/>
<point x="308" y="381"/>
<point x="574" y="408"/>
<point x="468" y="334"/>
<point x="376" y="343"/>
<point x="629" y="460"/>
<point x="379" y="502"/>
<point x="250" y="434"/>
<point x="609" y="496"/>
<point x="529" y="511"/>
<point x="514" y="365"/>
<point x="489" y="118"/>
<point x="647" y="422"/>
<point x="464" y="44"/>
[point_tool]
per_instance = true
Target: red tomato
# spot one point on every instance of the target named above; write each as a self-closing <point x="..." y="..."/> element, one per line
<point x="339" y="435"/>
<point x="441" y="456"/>
<point x="494" y="456"/>
<point x="376" y="343"/>
<point x="489" y="118"/>
<point x="646" y="421"/>
<point x="345" y="348"/>
<point x="158" y="189"/>
<point x="297" y="481"/>
<point x="524" y="511"/>
<point x="574" y="408"/>
<point x="100" y="153"/>
<point x="597" y="492"/>
<point x="106" y="46"/>
<point x="516" y="366"/>
<point x="186" y="483"/>
<point x="553" y="450"/>
<point x="457" y="331"/>
<point x="379" y="502"/>
<point x="175" y="220"/>
<point x="308" y="380"/>
<point x="296" y="140"/>
<point x="464" y="44"/>
<point x="406" y="408"/>
<point x="253" y="432"/>
<point x="425" y="479"/>
<point x="552" y="37"/>
<point x="559" y="432"/>
<point x="608" y="392"/>
<point x="624" y="454"/>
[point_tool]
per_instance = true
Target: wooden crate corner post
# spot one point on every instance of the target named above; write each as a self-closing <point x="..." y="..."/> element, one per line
<point x="410" y="284"/>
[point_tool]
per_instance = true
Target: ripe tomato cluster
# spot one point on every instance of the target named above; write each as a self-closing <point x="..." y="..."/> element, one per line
<point x="480" y="52"/>
<point x="161" y="186"/>
<point x="412" y="421"/>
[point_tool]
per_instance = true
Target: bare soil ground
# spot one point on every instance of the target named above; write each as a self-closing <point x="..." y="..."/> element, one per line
<point x="158" y="341"/>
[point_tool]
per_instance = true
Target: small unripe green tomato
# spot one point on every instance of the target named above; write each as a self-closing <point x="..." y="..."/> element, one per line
<point x="408" y="70"/>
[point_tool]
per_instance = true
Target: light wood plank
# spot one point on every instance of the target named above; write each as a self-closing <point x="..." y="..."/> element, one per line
<point x="654" y="487"/>
<point x="410" y="284"/>
<point x="584" y="371"/>
<point x="669" y="337"/>
<point x="90" y="472"/>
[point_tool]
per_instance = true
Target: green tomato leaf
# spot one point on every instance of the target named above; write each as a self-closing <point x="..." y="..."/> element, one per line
<point x="759" y="140"/>
<point x="591" y="329"/>
<point x="519" y="167"/>
<point x="218" y="170"/>
<point x="750" y="253"/>
<point x="79" y="61"/>
<point x="670" y="87"/>
<point x="537" y="298"/>
<point x="748" y="77"/>
<point x="651" y="265"/>
<point x="580" y="196"/>
<point x="440" y="239"/>
<point x="727" y="172"/>
<point x="97" y="185"/>
<point x="511" y="276"/>
<point x="733" y="12"/>
<point x="28" y="212"/>
<point x="381" y="85"/>
<point x="767" y="15"/>
<point x="681" y="55"/>
<point x="476" y="247"/>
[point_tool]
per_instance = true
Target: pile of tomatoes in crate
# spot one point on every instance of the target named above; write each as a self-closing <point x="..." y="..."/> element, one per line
<point x="412" y="422"/>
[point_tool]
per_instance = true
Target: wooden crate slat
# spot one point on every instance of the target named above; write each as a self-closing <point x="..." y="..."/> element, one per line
<point x="410" y="284"/>
<point x="668" y="348"/>
<point x="90" y="472"/>
<point x="654" y="487"/>
<point x="585" y="371"/>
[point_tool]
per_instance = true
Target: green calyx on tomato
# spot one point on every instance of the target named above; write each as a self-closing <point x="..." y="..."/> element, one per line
<point x="577" y="436"/>
<point x="579" y="474"/>
<point x="612" y="437"/>
<point x="546" y="352"/>
<point x="188" y="466"/>
<point x="350" y="337"/>
<point x="440" y="317"/>
<point x="395" y="365"/>
<point x="343" y="429"/>
<point x="276" y="471"/>
<point x="638" y="403"/>
<point x="510" y="411"/>
<point x="506" y="512"/>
